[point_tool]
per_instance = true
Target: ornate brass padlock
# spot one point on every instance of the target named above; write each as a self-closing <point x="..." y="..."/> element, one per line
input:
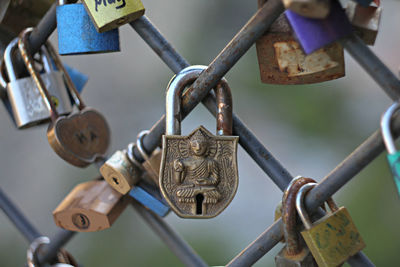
<point x="152" y="162"/>
<point x="28" y="106"/>
<point x="90" y="206"/>
<point x="295" y="252"/>
<point x="282" y="61"/>
<point x="80" y="138"/>
<point x="122" y="171"/>
<point x="108" y="15"/>
<point x="333" y="238"/>
<point x="198" y="175"/>
<point x="316" y="9"/>
<point x="365" y="21"/>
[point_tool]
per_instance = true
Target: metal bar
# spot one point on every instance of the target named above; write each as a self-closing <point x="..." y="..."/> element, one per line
<point x="174" y="242"/>
<point x="17" y="218"/>
<point x="372" y="65"/>
<point x="49" y="252"/>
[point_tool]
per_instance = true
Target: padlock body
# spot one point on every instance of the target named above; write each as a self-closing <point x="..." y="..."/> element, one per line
<point x="152" y="166"/>
<point x="317" y="9"/>
<point x="313" y="34"/>
<point x="333" y="238"/>
<point x="108" y="16"/>
<point x="150" y="198"/>
<point x="28" y="105"/>
<point x="394" y="163"/>
<point x="78" y="35"/>
<point x="120" y="173"/>
<point x="89" y="207"/>
<point x="78" y="78"/>
<point x="303" y="259"/>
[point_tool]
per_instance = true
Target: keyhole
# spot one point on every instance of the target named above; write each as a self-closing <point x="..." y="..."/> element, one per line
<point x="199" y="204"/>
<point x="115" y="180"/>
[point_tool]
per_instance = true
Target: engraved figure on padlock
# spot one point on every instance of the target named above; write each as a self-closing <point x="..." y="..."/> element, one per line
<point x="80" y="138"/>
<point x="28" y="106"/>
<point x="198" y="174"/>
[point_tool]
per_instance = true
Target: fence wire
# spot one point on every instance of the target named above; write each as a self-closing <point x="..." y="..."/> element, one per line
<point x="200" y="92"/>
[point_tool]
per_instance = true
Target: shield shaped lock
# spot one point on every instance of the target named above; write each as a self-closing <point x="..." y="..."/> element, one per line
<point x="80" y="138"/>
<point x="198" y="174"/>
<point x="28" y="106"/>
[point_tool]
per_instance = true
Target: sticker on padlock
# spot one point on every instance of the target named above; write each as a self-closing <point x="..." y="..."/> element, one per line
<point x="282" y="61"/>
<point x="316" y="9"/>
<point x="198" y="175"/>
<point x="122" y="171"/>
<point x="150" y="197"/>
<point x="28" y="106"/>
<point x="113" y="14"/>
<point x="365" y="21"/>
<point x="80" y="138"/>
<point x="332" y="239"/>
<point x="313" y="34"/>
<point x="393" y="155"/>
<point x="91" y="206"/>
<point x="152" y="162"/>
<point x="295" y="253"/>
<point x="78" y="35"/>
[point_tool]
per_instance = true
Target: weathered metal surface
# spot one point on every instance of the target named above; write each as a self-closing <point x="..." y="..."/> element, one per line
<point x="317" y="9"/>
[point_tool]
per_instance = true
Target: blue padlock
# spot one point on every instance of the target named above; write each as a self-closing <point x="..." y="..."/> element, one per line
<point x="151" y="198"/>
<point x="78" y="35"/>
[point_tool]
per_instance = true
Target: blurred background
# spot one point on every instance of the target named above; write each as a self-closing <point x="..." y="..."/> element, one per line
<point x="309" y="129"/>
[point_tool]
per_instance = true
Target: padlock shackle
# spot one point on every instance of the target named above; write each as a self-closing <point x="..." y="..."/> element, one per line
<point x="46" y="61"/>
<point x="23" y="44"/>
<point x="31" y="253"/>
<point x="139" y="145"/>
<point x="8" y="60"/>
<point x="289" y="215"/>
<point x="386" y="121"/>
<point x="175" y="89"/>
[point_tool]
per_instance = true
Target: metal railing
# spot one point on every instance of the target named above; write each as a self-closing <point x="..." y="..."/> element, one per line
<point x="200" y="92"/>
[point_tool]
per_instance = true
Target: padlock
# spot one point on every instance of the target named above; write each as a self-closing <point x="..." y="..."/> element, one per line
<point x="24" y="13"/>
<point x="108" y="15"/>
<point x="282" y="61"/>
<point x="152" y="162"/>
<point x="393" y="155"/>
<point x="78" y="35"/>
<point x="332" y="239"/>
<point x="365" y="21"/>
<point x="28" y="106"/>
<point x="91" y="206"/>
<point x="80" y="138"/>
<point x="64" y="258"/>
<point x="198" y="175"/>
<point x="313" y="34"/>
<point x="150" y="197"/>
<point x="121" y="171"/>
<point x="316" y="9"/>
<point x="366" y="3"/>
<point x="294" y="253"/>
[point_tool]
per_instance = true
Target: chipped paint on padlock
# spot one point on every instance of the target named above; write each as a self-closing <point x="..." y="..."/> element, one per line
<point x="108" y="15"/>
<point x="198" y="174"/>
<point x="282" y="61"/>
<point x="78" y="35"/>
<point x="365" y="21"/>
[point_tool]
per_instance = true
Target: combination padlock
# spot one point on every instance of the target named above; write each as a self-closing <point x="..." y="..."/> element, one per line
<point x="108" y="15"/>
<point x="91" y="206"/>
<point x="365" y="21"/>
<point x="152" y="162"/>
<point x="78" y="35"/>
<point x="28" y="106"/>
<point x="313" y="34"/>
<point x="198" y="175"/>
<point x="295" y="252"/>
<point x="393" y="155"/>
<point x="282" y="61"/>
<point x="80" y="138"/>
<point x="332" y="239"/>
<point x="122" y="171"/>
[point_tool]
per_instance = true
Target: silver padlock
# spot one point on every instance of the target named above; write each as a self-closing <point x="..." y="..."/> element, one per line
<point x="27" y="103"/>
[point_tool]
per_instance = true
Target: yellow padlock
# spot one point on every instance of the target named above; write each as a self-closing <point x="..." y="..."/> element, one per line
<point x="332" y="239"/>
<point x="108" y="15"/>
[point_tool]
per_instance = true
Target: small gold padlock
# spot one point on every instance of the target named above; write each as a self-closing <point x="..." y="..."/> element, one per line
<point x="91" y="206"/>
<point x="332" y="239"/>
<point x="108" y="15"/>
<point x="152" y="162"/>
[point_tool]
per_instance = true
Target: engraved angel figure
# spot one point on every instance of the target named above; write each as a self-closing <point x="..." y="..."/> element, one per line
<point x="198" y="174"/>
